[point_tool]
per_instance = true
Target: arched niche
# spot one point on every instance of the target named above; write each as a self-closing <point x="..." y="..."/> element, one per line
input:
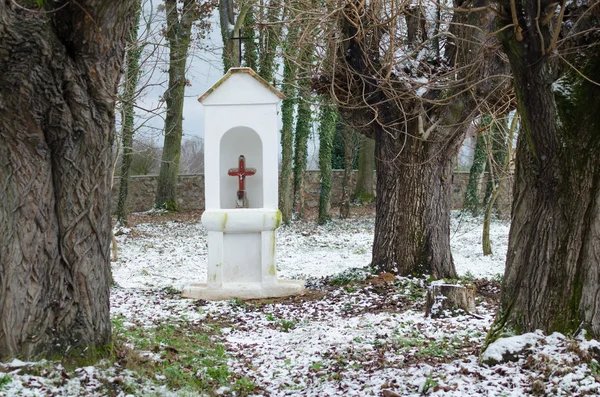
<point x="235" y="142"/>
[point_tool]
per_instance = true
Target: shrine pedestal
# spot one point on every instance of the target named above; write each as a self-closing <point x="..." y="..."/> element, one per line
<point x="242" y="256"/>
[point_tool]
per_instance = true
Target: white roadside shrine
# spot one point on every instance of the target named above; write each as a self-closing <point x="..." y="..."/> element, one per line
<point x="241" y="179"/>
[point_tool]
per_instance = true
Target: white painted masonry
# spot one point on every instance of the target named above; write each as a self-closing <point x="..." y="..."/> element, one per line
<point x="241" y="119"/>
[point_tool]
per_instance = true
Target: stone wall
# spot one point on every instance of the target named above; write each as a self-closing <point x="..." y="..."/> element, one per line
<point x="190" y="190"/>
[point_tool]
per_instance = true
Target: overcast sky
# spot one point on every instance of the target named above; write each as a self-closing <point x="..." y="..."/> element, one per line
<point x="204" y="68"/>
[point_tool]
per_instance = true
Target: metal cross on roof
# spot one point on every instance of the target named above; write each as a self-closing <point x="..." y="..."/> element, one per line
<point x="240" y="45"/>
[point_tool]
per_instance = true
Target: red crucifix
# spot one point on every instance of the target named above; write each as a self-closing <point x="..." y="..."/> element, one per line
<point x="241" y="172"/>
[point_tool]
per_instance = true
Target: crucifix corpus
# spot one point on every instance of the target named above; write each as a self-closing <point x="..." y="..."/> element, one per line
<point x="241" y="172"/>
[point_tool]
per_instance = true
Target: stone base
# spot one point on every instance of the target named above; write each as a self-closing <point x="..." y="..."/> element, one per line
<point x="244" y="291"/>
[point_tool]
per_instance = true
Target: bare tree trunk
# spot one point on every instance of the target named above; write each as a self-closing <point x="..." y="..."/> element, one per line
<point x="366" y="165"/>
<point x="552" y="272"/>
<point x="59" y="78"/>
<point x="413" y="195"/>
<point x="179" y="28"/>
<point x="416" y="138"/>
<point x="132" y="75"/>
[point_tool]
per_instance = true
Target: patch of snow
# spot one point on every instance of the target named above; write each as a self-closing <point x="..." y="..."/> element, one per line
<point x="498" y="349"/>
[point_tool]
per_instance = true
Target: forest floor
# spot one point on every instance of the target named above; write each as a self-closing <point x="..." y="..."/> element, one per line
<point x="352" y="333"/>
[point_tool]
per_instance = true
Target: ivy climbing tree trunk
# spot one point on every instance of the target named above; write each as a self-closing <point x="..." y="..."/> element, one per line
<point x="500" y="172"/>
<point x="286" y="193"/>
<point x="179" y="29"/>
<point x="250" y="47"/>
<point x="552" y="272"/>
<point x="366" y="164"/>
<point x="328" y="120"/>
<point x="303" y="125"/>
<point x="230" y="32"/>
<point x="132" y="75"/>
<point x="269" y="40"/>
<point x="58" y="85"/>
<point x="472" y="202"/>
<point x="348" y="136"/>
<point x="496" y="148"/>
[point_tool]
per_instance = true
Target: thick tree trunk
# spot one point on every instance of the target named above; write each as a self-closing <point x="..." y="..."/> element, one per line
<point x="366" y="164"/>
<point x="178" y="33"/>
<point x="416" y="133"/>
<point x="132" y="74"/>
<point x="552" y="272"/>
<point x="413" y="195"/>
<point x="59" y="79"/>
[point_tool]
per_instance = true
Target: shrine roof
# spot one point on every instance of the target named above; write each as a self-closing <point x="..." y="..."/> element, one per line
<point x="248" y="71"/>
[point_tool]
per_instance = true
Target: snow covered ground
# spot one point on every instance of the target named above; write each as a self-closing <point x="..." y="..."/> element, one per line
<point x="356" y="335"/>
<point x="174" y="253"/>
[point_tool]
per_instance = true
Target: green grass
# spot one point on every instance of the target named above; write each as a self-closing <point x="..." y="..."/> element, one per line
<point x="429" y="384"/>
<point x="177" y="354"/>
<point x="4" y="380"/>
<point x="411" y="290"/>
<point x="348" y="276"/>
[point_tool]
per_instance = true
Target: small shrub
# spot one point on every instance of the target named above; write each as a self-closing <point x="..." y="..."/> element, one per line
<point x="5" y="380"/>
<point x="287" y="325"/>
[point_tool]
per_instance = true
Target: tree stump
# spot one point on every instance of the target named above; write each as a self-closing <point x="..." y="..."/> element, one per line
<point x="441" y="297"/>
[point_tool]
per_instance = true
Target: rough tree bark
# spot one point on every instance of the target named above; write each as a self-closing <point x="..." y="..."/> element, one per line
<point x="552" y="272"/>
<point x="179" y="30"/>
<point x="413" y="195"/>
<point x="132" y="76"/>
<point x="58" y="86"/>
